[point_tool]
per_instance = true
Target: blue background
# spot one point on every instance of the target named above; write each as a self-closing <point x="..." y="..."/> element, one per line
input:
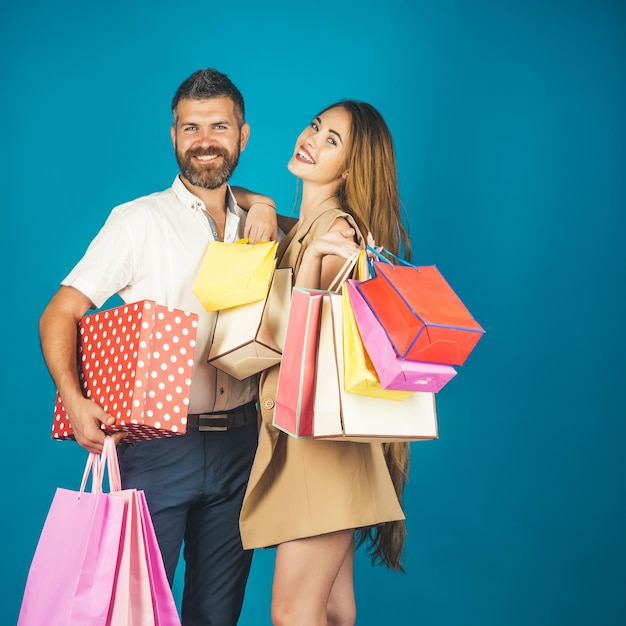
<point x="509" y="125"/>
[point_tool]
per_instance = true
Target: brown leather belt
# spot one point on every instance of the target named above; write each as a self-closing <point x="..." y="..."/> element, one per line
<point x="223" y="420"/>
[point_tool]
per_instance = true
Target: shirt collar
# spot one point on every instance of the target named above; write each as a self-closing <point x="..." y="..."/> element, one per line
<point x="193" y="202"/>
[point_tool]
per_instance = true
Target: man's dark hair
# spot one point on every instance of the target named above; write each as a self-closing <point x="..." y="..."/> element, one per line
<point x="209" y="83"/>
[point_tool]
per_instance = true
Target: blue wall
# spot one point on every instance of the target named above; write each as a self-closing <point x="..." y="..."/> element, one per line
<point x="510" y="132"/>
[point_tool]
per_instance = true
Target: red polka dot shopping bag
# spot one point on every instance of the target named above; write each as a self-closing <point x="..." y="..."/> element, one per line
<point x="135" y="361"/>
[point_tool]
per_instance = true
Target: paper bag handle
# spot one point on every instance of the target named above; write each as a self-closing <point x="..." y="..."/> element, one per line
<point x="344" y="272"/>
<point x="98" y="463"/>
<point x="380" y="255"/>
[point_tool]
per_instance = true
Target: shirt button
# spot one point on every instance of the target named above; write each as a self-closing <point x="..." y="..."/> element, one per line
<point x="268" y="403"/>
<point x="221" y="391"/>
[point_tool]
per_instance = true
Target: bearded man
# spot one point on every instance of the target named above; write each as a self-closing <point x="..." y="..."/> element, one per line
<point x="151" y="248"/>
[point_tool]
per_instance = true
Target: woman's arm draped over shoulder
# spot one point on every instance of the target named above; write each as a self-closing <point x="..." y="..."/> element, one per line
<point x="261" y="222"/>
<point x="325" y="256"/>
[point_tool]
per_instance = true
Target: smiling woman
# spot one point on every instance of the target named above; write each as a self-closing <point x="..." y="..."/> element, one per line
<point x="346" y="162"/>
<point x="320" y="154"/>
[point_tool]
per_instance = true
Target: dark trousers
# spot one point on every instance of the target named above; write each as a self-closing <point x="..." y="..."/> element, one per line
<point x="194" y="485"/>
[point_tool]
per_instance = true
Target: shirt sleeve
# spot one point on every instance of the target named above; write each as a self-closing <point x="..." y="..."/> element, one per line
<point x="107" y="265"/>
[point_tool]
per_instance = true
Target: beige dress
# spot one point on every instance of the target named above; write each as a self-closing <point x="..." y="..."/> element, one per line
<point x="302" y="487"/>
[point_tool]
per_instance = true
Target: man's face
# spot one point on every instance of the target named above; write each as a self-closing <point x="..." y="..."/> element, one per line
<point x="207" y="141"/>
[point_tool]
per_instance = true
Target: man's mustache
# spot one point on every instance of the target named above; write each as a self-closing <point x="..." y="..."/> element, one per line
<point x="207" y="152"/>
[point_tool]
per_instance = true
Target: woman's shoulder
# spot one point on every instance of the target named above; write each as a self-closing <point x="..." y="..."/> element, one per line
<point x="325" y="216"/>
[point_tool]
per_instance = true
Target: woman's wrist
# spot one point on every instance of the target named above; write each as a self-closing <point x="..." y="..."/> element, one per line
<point x="270" y="204"/>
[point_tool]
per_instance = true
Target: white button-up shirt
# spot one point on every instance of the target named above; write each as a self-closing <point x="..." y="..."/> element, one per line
<point x="151" y="249"/>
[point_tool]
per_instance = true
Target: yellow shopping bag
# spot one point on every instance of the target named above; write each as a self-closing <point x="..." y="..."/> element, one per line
<point x="359" y="374"/>
<point x="232" y="274"/>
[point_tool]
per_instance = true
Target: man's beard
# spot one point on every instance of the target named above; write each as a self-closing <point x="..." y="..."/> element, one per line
<point x="207" y="176"/>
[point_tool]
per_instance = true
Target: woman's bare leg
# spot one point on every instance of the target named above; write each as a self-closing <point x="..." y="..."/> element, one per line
<point x="304" y="575"/>
<point x="341" y="610"/>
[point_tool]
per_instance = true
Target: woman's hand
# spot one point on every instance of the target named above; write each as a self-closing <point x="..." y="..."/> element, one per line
<point x="261" y="223"/>
<point x="371" y="243"/>
<point x="335" y="242"/>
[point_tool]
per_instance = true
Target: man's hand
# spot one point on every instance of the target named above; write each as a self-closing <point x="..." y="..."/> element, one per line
<point x="86" y="419"/>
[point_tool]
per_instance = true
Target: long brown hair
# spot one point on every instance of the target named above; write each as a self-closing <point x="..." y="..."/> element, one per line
<point x="370" y="194"/>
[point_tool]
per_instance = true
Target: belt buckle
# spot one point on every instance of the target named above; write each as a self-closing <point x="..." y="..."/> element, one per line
<point x="205" y="426"/>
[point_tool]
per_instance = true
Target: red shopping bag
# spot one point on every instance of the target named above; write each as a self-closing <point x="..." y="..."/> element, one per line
<point x="135" y="361"/>
<point x="392" y="371"/>
<point x="421" y="314"/>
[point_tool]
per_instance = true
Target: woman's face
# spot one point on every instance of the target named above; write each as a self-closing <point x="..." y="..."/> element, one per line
<point x="320" y="152"/>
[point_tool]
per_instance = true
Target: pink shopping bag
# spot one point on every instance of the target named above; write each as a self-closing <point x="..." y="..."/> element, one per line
<point x="72" y="574"/>
<point x="97" y="561"/>
<point x="142" y="595"/>
<point x="132" y="597"/>
<point x="164" y="606"/>
<point x="295" y="393"/>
